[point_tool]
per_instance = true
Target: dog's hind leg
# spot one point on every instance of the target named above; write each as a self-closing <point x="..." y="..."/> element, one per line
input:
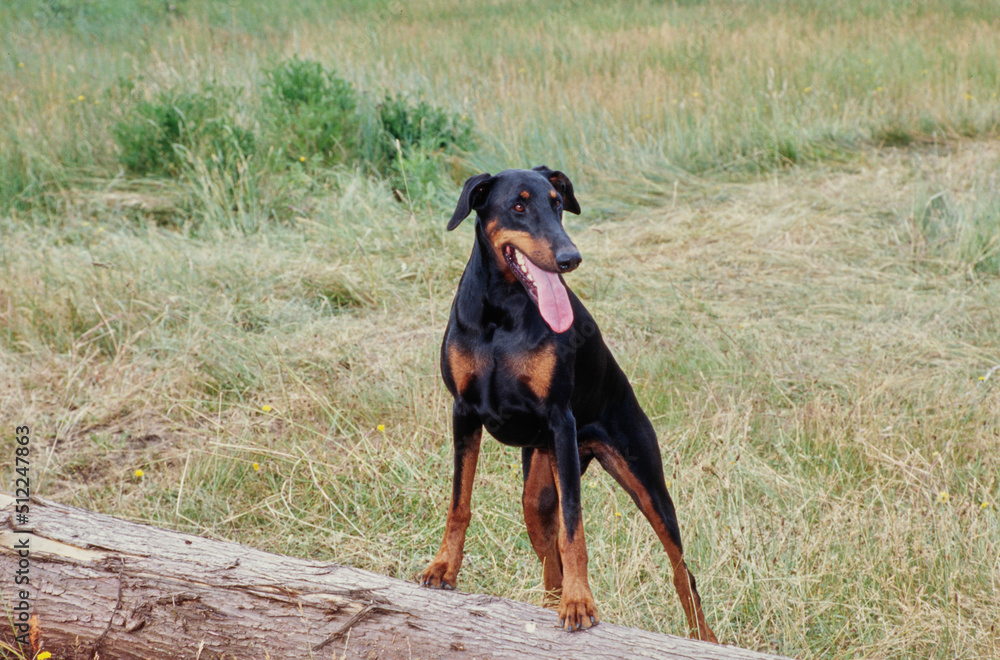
<point x="639" y="470"/>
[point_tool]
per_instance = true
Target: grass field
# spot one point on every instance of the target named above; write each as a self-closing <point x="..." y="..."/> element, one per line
<point x="791" y="240"/>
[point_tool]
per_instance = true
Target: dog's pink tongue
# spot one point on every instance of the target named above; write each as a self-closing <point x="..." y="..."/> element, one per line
<point x="553" y="300"/>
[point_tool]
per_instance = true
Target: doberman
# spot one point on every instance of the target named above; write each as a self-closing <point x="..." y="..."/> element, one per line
<point x="523" y="358"/>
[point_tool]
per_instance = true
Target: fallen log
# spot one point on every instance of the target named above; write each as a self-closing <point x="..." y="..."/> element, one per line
<point x="100" y="587"/>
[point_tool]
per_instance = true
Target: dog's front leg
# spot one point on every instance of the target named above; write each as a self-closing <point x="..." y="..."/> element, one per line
<point x="443" y="571"/>
<point x="576" y="607"/>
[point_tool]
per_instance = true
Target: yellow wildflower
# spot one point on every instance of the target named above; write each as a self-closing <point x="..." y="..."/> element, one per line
<point x="266" y="408"/>
<point x="138" y="474"/>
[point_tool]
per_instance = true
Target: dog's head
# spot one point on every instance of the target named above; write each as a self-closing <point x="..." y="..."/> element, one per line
<point x="520" y="213"/>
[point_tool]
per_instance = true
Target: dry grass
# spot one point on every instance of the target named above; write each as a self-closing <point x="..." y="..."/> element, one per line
<point x="811" y="363"/>
<point x="812" y="342"/>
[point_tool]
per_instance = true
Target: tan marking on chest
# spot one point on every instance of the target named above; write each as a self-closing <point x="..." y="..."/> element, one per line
<point x="534" y="368"/>
<point x="465" y="366"/>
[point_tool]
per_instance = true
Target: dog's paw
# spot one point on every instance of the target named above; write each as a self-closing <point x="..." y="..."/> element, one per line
<point x="437" y="576"/>
<point x="578" y="613"/>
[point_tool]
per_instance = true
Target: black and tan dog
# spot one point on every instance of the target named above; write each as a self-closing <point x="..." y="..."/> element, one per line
<point x="524" y="358"/>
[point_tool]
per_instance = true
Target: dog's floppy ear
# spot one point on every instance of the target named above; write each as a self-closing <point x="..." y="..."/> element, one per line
<point x="474" y="194"/>
<point x="563" y="185"/>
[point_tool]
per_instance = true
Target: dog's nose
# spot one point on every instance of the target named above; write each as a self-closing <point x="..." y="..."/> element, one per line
<point x="568" y="260"/>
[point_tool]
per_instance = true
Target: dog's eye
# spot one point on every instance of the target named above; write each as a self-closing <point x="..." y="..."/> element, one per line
<point x="519" y="207"/>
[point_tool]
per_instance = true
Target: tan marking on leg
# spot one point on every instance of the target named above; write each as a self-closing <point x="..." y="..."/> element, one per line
<point x="443" y="570"/>
<point x="576" y="606"/>
<point x="540" y="502"/>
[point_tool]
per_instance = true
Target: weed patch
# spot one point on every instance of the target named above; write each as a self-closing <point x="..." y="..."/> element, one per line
<point x="235" y="166"/>
<point x="181" y="129"/>
<point x="413" y="142"/>
<point x="312" y="112"/>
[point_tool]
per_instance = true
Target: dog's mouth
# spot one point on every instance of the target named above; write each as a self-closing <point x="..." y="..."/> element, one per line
<point x="545" y="288"/>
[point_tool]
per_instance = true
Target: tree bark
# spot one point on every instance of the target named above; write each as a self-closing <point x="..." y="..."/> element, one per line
<point x="105" y="588"/>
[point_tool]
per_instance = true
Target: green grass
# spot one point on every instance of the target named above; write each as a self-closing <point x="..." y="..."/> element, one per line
<point x="790" y="228"/>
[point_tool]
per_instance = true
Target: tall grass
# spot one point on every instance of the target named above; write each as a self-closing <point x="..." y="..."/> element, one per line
<point x="789" y="231"/>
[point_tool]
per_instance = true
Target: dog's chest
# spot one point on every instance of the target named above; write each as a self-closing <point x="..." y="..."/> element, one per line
<point x="490" y="370"/>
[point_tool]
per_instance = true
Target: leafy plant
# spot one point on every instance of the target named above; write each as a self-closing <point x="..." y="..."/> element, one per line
<point x="424" y="127"/>
<point x="313" y="111"/>
<point x="412" y="143"/>
<point x="159" y="137"/>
